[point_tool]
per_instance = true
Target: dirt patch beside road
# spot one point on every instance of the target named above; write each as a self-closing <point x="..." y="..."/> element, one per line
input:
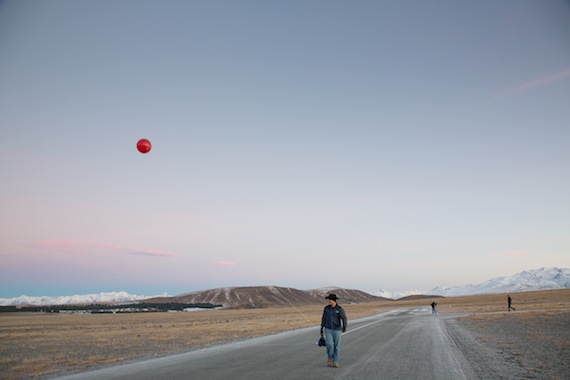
<point x="528" y="345"/>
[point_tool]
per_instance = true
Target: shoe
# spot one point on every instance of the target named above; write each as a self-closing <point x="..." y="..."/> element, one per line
<point x="330" y="363"/>
<point x="335" y="364"/>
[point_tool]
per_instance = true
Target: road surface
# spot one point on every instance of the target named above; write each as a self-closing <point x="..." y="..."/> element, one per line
<point x="401" y="344"/>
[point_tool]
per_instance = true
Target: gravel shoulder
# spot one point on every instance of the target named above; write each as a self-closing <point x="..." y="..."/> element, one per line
<point x="515" y="345"/>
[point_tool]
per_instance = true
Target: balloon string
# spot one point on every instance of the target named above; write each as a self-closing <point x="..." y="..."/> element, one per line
<point x="294" y="307"/>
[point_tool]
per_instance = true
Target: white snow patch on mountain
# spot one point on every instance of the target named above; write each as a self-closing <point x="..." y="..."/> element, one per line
<point x="530" y="280"/>
<point x="397" y="294"/>
<point x="106" y="297"/>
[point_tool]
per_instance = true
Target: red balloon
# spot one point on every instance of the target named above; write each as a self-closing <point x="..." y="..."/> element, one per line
<point x="143" y="145"/>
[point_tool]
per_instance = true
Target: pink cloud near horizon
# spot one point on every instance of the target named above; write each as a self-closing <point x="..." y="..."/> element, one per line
<point x="75" y="246"/>
<point x="224" y="263"/>
<point x="554" y="77"/>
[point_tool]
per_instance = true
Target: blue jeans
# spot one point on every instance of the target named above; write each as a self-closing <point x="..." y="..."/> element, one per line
<point x="333" y="343"/>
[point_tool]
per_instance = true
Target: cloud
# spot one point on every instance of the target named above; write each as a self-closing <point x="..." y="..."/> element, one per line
<point x="74" y="246"/>
<point x="513" y="252"/>
<point x="554" y="77"/>
<point x="66" y="246"/>
<point x="224" y="263"/>
<point x="153" y="252"/>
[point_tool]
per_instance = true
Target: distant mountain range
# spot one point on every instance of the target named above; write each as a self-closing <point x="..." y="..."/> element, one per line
<point x="268" y="296"/>
<point x="84" y="299"/>
<point x="534" y="279"/>
<point x="231" y="298"/>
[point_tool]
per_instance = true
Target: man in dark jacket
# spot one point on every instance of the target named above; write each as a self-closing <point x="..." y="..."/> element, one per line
<point x="333" y="322"/>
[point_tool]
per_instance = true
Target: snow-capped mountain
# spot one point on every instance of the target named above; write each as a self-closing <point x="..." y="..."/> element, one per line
<point x="396" y="295"/>
<point x="108" y="297"/>
<point x="535" y="279"/>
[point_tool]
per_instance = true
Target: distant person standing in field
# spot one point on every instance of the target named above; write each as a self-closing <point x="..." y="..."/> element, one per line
<point x="509" y="301"/>
<point x="334" y="324"/>
<point x="433" y="311"/>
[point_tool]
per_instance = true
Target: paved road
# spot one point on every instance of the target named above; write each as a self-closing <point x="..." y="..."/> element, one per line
<point x="401" y="344"/>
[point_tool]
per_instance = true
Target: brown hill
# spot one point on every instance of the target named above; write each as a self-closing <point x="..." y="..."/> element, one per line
<point x="245" y="297"/>
<point x="254" y="297"/>
<point x="346" y="295"/>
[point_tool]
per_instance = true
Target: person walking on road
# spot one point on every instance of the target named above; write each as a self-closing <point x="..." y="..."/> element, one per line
<point x="509" y="301"/>
<point x="433" y="311"/>
<point x="334" y="323"/>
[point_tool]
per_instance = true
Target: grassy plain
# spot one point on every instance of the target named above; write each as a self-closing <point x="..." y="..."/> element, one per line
<point x="38" y="345"/>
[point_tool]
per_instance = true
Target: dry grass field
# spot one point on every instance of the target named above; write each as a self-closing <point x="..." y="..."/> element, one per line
<point x="45" y="345"/>
<point x="535" y="338"/>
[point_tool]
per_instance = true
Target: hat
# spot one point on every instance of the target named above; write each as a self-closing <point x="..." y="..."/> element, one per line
<point x="331" y="296"/>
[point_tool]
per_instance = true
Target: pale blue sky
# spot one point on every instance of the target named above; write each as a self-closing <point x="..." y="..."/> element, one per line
<point x="390" y="145"/>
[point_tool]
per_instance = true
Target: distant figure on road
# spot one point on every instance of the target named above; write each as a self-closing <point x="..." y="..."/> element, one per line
<point x="433" y="311"/>
<point x="333" y="322"/>
<point x="509" y="300"/>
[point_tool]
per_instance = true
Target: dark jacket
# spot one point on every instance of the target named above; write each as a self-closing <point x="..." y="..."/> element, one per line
<point x="332" y="318"/>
